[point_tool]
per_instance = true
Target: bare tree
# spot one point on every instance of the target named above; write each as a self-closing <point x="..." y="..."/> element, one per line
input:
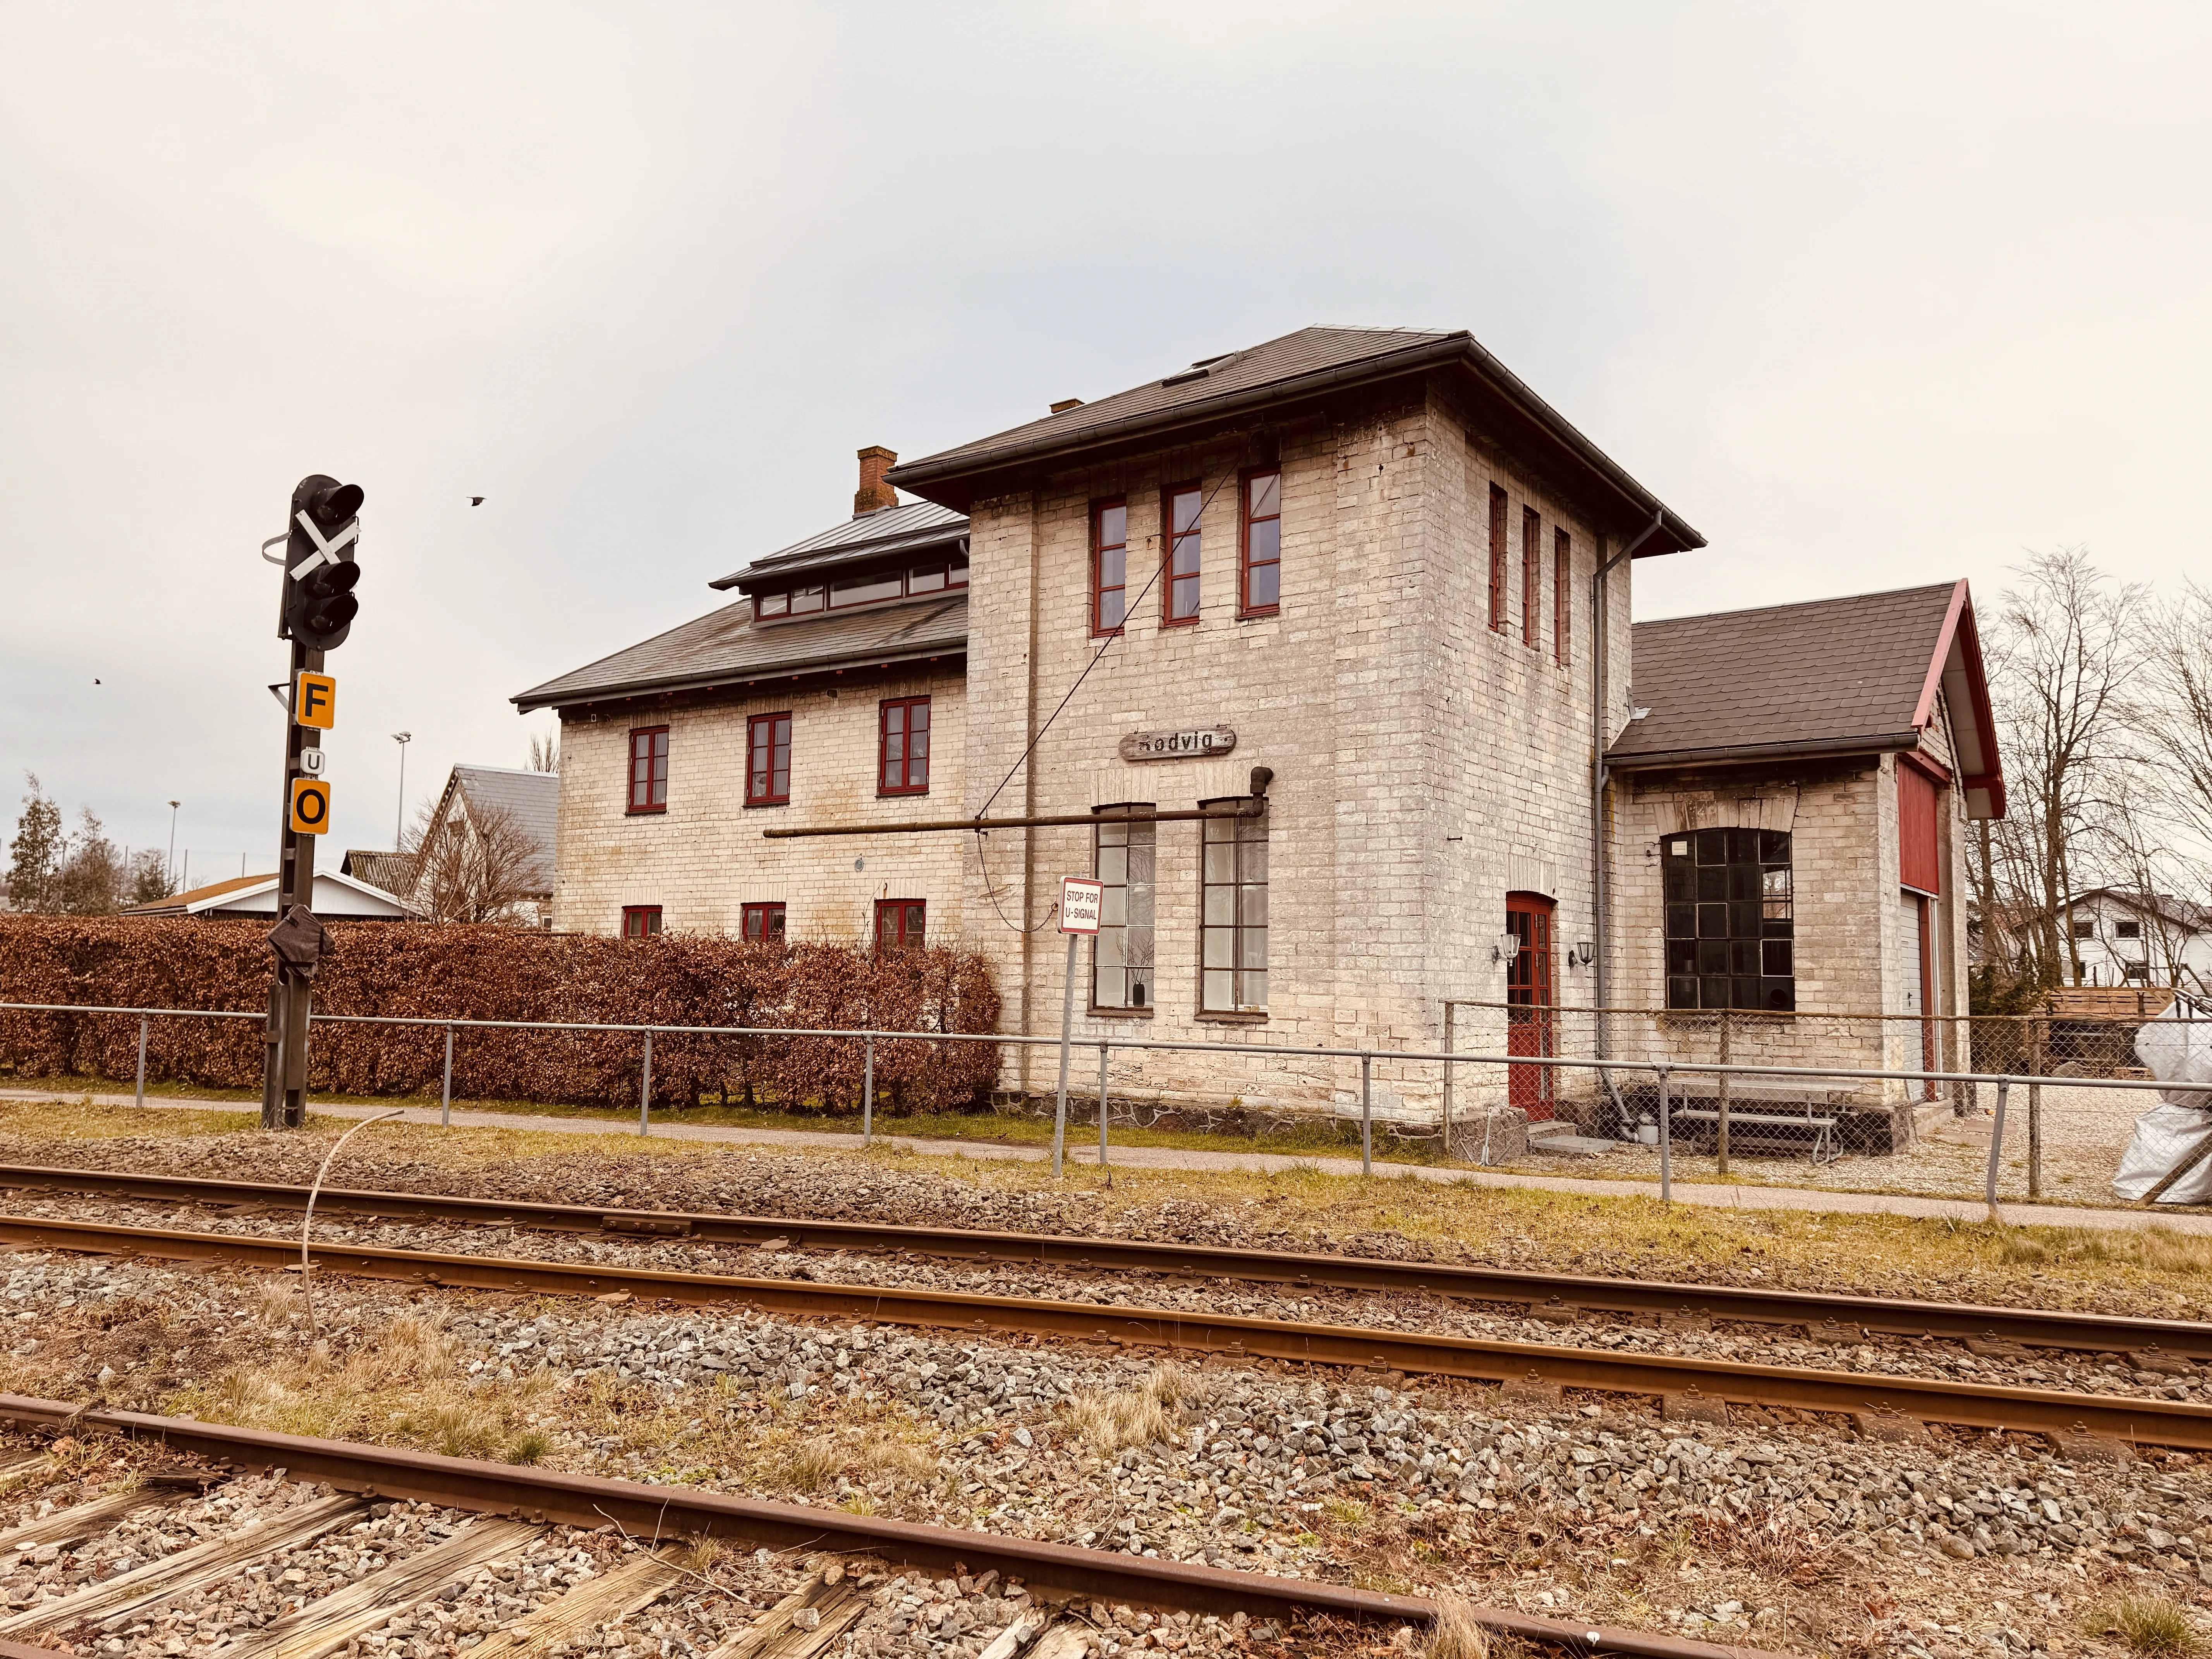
<point x="91" y="880"/>
<point x="474" y="866"/>
<point x="2067" y="644"/>
<point x="545" y="752"/>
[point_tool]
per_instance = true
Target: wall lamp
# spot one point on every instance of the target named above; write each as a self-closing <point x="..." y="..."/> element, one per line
<point x="1582" y="953"/>
<point x="1505" y="947"/>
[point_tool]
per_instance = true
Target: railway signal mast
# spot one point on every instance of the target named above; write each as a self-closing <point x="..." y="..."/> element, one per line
<point x="317" y="609"/>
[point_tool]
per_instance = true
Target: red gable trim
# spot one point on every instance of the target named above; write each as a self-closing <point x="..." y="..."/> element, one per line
<point x="1925" y="711"/>
<point x="1959" y="628"/>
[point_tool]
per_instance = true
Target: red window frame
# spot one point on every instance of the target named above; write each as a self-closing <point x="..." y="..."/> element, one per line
<point x="648" y="784"/>
<point x="763" y="924"/>
<point x="1179" y="592"/>
<point x="767" y="760"/>
<point x="901" y="923"/>
<point x="908" y="773"/>
<point x="1563" y="597"/>
<point x="1532" y="576"/>
<point x="1109" y="578"/>
<point x="1496" y="560"/>
<point x="1271" y="549"/>
<point x="641" y="921"/>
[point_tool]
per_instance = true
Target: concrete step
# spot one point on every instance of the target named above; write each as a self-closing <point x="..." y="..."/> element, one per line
<point x="1566" y="1144"/>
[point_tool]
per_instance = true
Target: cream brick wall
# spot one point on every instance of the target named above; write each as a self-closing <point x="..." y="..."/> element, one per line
<point x="1423" y="763"/>
<point x="704" y="858"/>
<point x="1854" y="934"/>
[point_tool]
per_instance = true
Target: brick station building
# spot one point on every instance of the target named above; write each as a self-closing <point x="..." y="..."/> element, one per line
<point x="1361" y="587"/>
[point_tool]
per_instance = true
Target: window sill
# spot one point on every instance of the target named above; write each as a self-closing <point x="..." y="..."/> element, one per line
<point x="1208" y="1016"/>
<point x="783" y="801"/>
<point x="645" y="812"/>
<point x="896" y="794"/>
<point x="1121" y="1013"/>
<point x="1269" y="614"/>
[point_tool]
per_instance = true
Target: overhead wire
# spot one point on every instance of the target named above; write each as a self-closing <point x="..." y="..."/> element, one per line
<point x="1167" y="556"/>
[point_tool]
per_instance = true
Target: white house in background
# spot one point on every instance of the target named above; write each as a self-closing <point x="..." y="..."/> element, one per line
<point x="2142" y="938"/>
<point x="337" y="898"/>
<point x="527" y="805"/>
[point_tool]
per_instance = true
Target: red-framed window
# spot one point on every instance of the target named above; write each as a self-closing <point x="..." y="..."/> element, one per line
<point x="767" y="760"/>
<point x="648" y="769"/>
<point x="1262" y="544"/>
<point x="641" y="921"/>
<point x="1109" y="565"/>
<point x="900" y="923"/>
<point x="902" y="750"/>
<point x="1532" y="576"/>
<point x="762" y="923"/>
<point x="1497" y="559"/>
<point x="1179" y="508"/>
<point x="1563" y="598"/>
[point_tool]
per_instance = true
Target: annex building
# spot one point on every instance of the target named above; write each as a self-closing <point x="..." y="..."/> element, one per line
<point x="1366" y="596"/>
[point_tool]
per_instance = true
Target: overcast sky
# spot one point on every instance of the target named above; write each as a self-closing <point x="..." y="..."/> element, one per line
<point x="1871" y="294"/>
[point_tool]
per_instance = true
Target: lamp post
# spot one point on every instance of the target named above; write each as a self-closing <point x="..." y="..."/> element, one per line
<point x="399" y="816"/>
<point x="169" y="868"/>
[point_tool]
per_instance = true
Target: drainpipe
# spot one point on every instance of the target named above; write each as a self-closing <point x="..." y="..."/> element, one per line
<point x="1600" y="933"/>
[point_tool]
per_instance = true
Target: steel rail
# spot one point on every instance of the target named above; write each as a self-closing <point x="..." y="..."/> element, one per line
<point x="1568" y="1292"/>
<point x="594" y="1502"/>
<point x="1967" y="1405"/>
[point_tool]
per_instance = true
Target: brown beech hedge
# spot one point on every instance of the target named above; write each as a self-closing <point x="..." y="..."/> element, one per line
<point x="499" y="973"/>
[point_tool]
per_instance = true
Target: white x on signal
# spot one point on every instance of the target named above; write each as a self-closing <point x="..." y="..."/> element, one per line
<point x="326" y="552"/>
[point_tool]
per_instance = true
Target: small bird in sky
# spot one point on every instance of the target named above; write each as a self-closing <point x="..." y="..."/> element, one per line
<point x="476" y="501"/>
<point x="95" y="679"/>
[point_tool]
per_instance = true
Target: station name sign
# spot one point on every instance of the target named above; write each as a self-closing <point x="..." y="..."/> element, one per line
<point x="1178" y="745"/>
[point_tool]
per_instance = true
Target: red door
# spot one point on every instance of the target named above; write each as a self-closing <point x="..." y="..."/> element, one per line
<point x="1528" y="1028"/>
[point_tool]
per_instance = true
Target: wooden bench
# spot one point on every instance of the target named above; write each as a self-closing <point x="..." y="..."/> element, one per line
<point x="1768" y="1128"/>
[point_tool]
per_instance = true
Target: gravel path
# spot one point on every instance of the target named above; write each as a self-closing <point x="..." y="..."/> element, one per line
<point x="1940" y="1178"/>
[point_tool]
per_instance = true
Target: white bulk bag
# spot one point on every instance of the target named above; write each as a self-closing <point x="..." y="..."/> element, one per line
<point x="2175" y="1051"/>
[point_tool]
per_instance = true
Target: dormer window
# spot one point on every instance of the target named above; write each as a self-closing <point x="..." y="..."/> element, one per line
<point x="868" y="587"/>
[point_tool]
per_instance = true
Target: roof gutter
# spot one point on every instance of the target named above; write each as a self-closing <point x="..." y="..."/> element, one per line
<point x="1600" y="933"/>
<point x="529" y="701"/>
<point x="1457" y="349"/>
<point x="1812" y="748"/>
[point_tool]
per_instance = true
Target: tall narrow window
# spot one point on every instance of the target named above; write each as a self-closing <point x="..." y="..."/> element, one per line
<point x="767" y="760"/>
<point x="1730" y="920"/>
<point x="903" y="754"/>
<point x="1263" y="537"/>
<point x="1497" y="559"/>
<point x="1233" y="914"/>
<point x="1179" y="511"/>
<point x="641" y="921"/>
<point x="1532" y="576"/>
<point x="900" y="923"/>
<point x="1121" y="956"/>
<point x="648" y="769"/>
<point x="1563" y="598"/>
<point x="1109" y="565"/>
<point x="763" y="923"/>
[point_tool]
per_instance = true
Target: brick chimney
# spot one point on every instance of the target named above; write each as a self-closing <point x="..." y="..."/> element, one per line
<point x="873" y="493"/>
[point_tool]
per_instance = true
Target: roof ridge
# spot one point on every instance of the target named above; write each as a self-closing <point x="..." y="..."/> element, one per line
<point x="1801" y="605"/>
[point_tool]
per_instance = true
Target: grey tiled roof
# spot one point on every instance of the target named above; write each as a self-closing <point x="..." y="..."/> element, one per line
<point x="1834" y="674"/>
<point x="393" y="873"/>
<point x="1305" y="352"/>
<point x="532" y="798"/>
<point x="728" y="647"/>
<point x="1311" y="361"/>
<point x="911" y="525"/>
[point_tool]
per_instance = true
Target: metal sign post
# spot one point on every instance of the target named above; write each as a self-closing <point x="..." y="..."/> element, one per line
<point x="1080" y="902"/>
<point x="316" y="609"/>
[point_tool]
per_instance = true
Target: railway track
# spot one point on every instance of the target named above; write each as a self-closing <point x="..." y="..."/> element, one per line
<point x="2083" y="1426"/>
<point x="517" y="1507"/>
<point x="1559" y="1296"/>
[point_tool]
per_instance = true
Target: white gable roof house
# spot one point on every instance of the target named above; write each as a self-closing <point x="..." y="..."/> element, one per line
<point x="485" y="853"/>
<point x="337" y="898"/>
